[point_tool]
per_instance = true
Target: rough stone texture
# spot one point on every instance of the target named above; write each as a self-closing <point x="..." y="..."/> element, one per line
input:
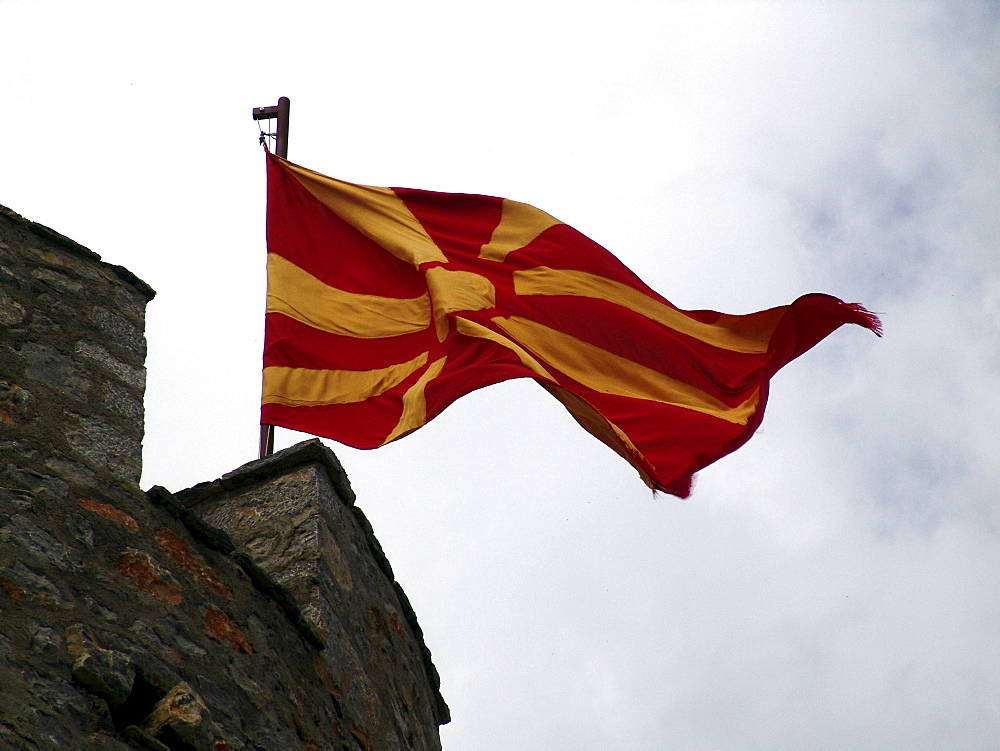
<point x="294" y="515"/>
<point x="130" y="620"/>
<point x="63" y="332"/>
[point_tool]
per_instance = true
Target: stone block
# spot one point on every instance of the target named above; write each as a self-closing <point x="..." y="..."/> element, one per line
<point x="149" y="576"/>
<point x="56" y="369"/>
<point x="43" y="639"/>
<point x="124" y="403"/>
<point x="37" y="482"/>
<point x="17" y="405"/>
<point x="58" y="281"/>
<point x="181" y="714"/>
<point x="81" y="529"/>
<point x="110" y="511"/>
<point x="105" y="446"/>
<point x="121" y="332"/>
<point x="278" y="526"/>
<point x="129" y="374"/>
<point x="83" y="263"/>
<point x="56" y="306"/>
<point x="106" y="673"/>
<point x="181" y="553"/>
<point x="12" y="313"/>
<point x="21" y="449"/>
<point x="23" y="534"/>
<point x="53" y="697"/>
<point x="70" y="471"/>
<point x="220" y="627"/>
<point x="21" y="583"/>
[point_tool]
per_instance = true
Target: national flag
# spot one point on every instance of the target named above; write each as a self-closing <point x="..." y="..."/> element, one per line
<point x="385" y="305"/>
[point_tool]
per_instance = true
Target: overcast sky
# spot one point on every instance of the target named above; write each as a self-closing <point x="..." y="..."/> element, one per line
<point x="834" y="583"/>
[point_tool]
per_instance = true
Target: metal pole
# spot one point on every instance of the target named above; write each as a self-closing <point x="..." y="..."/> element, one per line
<point x="281" y="147"/>
<point x="266" y="440"/>
<point x="280" y="113"/>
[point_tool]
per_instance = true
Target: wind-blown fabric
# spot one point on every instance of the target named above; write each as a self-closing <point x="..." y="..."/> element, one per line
<point x="385" y="305"/>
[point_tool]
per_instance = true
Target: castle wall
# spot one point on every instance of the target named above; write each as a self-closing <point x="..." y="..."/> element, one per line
<point x="149" y="620"/>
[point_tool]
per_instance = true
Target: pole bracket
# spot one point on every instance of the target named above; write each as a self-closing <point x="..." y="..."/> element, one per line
<point x="280" y="113"/>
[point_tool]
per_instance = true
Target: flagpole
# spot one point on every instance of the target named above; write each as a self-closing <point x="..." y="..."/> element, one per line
<point x="279" y="113"/>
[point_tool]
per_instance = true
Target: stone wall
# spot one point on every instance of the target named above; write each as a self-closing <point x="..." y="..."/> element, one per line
<point x="72" y="361"/>
<point x="253" y="612"/>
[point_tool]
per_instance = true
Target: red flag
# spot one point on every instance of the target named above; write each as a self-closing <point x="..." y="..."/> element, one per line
<point x="385" y="305"/>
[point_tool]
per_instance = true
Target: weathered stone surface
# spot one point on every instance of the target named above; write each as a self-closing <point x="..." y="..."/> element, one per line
<point x="277" y="529"/>
<point x="43" y="639"/>
<point x="22" y="533"/>
<point x="19" y="447"/>
<point x="149" y="576"/>
<point x="105" y="742"/>
<point x="183" y="710"/>
<point x="20" y="583"/>
<point x="59" y="281"/>
<point x="41" y="326"/>
<point x="110" y="598"/>
<point x="17" y="405"/>
<point x="123" y="402"/>
<point x="220" y="626"/>
<point x="104" y="672"/>
<point x="128" y="374"/>
<point x="79" y="263"/>
<point x="37" y="482"/>
<point x="130" y="302"/>
<point x="12" y="312"/>
<point x="72" y="471"/>
<point x="121" y="332"/>
<point x="180" y="552"/>
<point x="81" y="529"/>
<point x="110" y="511"/>
<point x="142" y="738"/>
<point x="57" y="698"/>
<point x="102" y="445"/>
<point x="96" y="610"/>
<point x="300" y="531"/>
<point x="56" y="369"/>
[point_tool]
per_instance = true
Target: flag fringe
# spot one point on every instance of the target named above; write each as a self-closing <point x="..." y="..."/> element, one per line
<point x="861" y="316"/>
